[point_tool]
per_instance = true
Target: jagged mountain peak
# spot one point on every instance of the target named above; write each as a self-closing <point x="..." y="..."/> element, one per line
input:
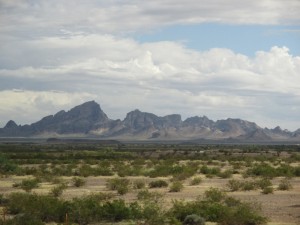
<point x="10" y="124"/>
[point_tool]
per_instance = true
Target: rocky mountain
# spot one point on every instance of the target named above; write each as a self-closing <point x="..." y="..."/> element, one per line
<point x="88" y="120"/>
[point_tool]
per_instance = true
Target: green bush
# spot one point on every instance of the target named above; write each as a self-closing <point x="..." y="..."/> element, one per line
<point x="249" y="185"/>
<point x="176" y="186"/>
<point x="58" y="190"/>
<point x="193" y="220"/>
<point x="234" y="185"/>
<point x="115" y="211"/>
<point x="78" y="182"/>
<point x="263" y="183"/>
<point x="139" y="184"/>
<point x="217" y="207"/>
<point x="121" y="185"/>
<point x="158" y="184"/>
<point x="196" y="181"/>
<point x="267" y="190"/>
<point x="285" y="185"/>
<point x="225" y="174"/>
<point x="147" y="196"/>
<point x="28" y="184"/>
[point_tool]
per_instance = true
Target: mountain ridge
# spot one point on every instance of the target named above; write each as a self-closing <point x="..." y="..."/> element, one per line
<point x="89" y="120"/>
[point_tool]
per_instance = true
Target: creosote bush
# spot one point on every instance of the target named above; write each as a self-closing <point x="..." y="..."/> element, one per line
<point x="196" y="181"/>
<point x="158" y="184"/>
<point x="193" y="220"/>
<point x="139" y="184"/>
<point x="121" y="185"/>
<point x="285" y="185"/>
<point x="176" y="186"/>
<point x="78" y="182"/>
<point x="27" y="184"/>
<point x="267" y="190"/>
<point x="58" y="190"/>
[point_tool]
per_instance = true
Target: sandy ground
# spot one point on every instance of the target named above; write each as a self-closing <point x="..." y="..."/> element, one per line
<point x="282" y="207"/>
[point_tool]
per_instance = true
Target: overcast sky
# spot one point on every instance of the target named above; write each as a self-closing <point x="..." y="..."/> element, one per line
<point x="222" y="59"/>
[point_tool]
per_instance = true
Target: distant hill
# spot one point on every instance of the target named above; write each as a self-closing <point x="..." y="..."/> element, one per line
<point x="88" y="120"/>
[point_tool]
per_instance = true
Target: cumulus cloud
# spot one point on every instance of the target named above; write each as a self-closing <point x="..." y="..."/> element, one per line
<point x="25" y="106"/>
<point x="161" y="77"/>
<point x="86" y="53"/>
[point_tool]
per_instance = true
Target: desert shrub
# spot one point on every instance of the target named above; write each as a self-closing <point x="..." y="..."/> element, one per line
<point x="196" y="181"/>
<point x="267" y="190"/>
<point x="24" y="219"/>
<point x="285" y="185"/>
<point x="176" y="186"/>
<point x="216" y="206"/>
<point x="115" y="210"/>
<point x="58" y="190"/>
<point x="6" y="166"/>
<point x="78" y="182"/>
<point x="214" y="195"/>
<point x="193" y="220"/>
<point x="146" y="195"/>
<point x="210" y="171"/>
<point x="84" y="210"/>
<point x="225" y="174"/>
<point x="248" y="185"/>
<point x="121" y="185"/>
<point x="234" y="185"/>
<point x="158" y="184"/>
<point x="263" y="183"/>
<point x="139" y="184"/>
<point x="263" y="169"/>
<point x="153" y="213"/>
<point x="28" y="184"/>
<point x="42" y="207"/>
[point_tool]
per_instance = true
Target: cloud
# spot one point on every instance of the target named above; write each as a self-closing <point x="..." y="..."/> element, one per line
<point x="25" y="106"/>
<point x="130" y="16"/>
<point x="83" y="50"/>
<point x="162" y="77"/>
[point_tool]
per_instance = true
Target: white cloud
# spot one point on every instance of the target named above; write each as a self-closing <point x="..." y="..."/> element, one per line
<point x="79" y="48"/>
<point x="25" y="106"/>
<point x="132" y="15"/>
<point x="162" y="77"/>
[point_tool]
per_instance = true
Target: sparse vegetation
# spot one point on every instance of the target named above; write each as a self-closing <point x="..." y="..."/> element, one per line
<point x="176" y="186"/>
<point x="121" y="185"/>
<point x="196" y="181"/>
<point x="158" y="184"/>
<point x="46" y="167"/>
<point x="78" y="182"/>
<point x="285" y="185"/>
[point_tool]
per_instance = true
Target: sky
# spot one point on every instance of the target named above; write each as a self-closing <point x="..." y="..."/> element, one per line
<point x="222" y="59"/>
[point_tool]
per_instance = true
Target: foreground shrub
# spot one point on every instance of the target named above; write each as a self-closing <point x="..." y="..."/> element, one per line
<point x="139" y="184"/>
<point x="285" y="185"/>
<point x="28" y="184"/>
<point x="196" y="181"/>
<point x="176" y="186"/>
<point x="217" y="207"/>
<point x="234" y="185"/>
<point x="121" y="185"/>
<point x="267" y="190"/>
<point x="158" y="184"/>
<point x="194" y="220"/>
<point x="263" y="183"/>
<point x="147" y="196"/>
<point x="58" y="190"/>
<point x="78" y="182"/>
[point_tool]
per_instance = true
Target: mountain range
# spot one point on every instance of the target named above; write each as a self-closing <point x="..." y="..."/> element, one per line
<point x="88" y="120"/>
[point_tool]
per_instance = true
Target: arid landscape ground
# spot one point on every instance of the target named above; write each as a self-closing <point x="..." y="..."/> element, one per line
<point x="214" y="168"/>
